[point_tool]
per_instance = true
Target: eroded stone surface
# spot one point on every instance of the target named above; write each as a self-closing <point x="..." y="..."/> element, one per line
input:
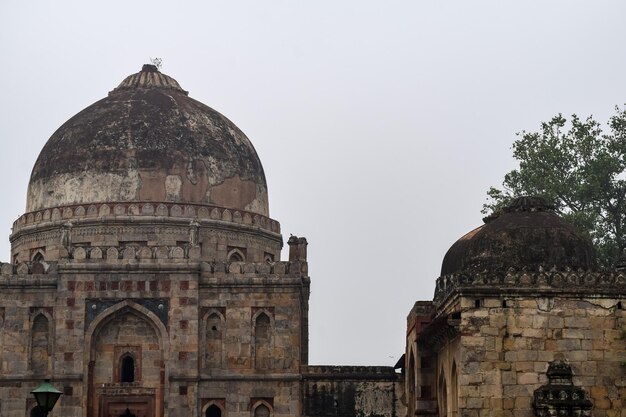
<point x="148" y="142"/>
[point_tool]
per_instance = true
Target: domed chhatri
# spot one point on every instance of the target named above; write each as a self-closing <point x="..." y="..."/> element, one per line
<point x="148" y="141"/>
<point x="527" y="234"/>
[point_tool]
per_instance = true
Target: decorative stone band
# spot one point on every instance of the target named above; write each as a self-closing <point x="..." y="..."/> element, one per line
<point x="145" y="209"/>
<point x="208" y="269"/>
<point x="612" y="282"/>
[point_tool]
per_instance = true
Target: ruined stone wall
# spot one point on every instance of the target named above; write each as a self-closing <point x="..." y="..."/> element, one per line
<point x="352" y="391"/>
<point x="507" y="343"/>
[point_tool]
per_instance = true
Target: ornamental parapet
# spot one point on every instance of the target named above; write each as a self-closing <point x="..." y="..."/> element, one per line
<point x="607" y="282"/>
<point x="144" y="209"/>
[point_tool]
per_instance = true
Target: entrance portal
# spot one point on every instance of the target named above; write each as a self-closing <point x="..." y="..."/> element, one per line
<point x="123" y="406"/>
<point x="127" y="413"/>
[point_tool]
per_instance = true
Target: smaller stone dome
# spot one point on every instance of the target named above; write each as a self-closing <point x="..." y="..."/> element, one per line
<point x="527" y="233"/>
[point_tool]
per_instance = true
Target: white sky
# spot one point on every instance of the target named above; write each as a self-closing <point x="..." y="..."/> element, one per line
<point x="380" y="124"/>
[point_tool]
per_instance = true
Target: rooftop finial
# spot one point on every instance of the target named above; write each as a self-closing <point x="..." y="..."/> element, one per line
<point x="157" y="62"/>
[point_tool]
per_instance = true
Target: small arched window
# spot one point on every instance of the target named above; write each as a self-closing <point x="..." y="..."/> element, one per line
<point x="213" y="411"/>
<point x="127" y="371"/>
<point x="262" y="411"/>
<point x="38" y="257"/>
<point x="262" y="327"/>
<point x="236" y="255"/>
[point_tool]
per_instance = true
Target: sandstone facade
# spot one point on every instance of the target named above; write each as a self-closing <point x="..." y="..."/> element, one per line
<point x="483" y="346"/>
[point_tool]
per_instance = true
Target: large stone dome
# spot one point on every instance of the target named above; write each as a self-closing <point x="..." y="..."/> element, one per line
<point x="148" y="141"/>
<point x="525" y="234"/>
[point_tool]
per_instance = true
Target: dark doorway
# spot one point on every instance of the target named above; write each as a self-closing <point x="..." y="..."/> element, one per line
<point x="127" y="413"/>
<point x="213" y="411"/>
<point x="128" y="369"/>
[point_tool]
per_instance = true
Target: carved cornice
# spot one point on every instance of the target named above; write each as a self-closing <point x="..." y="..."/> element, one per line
<point x="439" y="332"/>
<point x="143" y="210"/>
<point x="610" y="282"/>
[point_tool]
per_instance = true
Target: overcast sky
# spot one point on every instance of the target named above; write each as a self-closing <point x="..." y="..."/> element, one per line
<point x="380" y="125"/>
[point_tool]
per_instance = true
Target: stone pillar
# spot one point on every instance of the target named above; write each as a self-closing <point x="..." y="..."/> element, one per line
<point x="297" y="248"/>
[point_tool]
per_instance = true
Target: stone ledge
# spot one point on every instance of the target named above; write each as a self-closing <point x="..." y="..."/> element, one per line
<point x="539" y="282"/>
<point x="101" y="211"/>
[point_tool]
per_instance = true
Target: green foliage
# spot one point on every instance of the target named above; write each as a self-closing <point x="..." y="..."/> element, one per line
<point x="581" y="170"/>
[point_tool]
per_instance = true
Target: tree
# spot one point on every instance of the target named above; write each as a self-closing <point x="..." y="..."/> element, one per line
<point x="581" y="170"/>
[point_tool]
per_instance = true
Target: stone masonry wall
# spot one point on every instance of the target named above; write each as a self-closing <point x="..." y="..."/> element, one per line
<point x="158" y="313"/>
<point x="352" y="391"/>
<point x="506" y="345"/>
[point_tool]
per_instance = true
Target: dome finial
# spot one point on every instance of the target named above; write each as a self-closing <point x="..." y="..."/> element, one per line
<point x="149" y="77"/>
<point x="149" y="68"/>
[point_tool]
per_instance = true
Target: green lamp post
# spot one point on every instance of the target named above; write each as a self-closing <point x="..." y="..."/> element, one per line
<point x="46" y="396"/>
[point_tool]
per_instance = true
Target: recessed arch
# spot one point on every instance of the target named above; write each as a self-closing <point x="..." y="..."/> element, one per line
<point x="236" y="255"/>
<point x="262" y="408"/>
<point x="40" y="343"/>
<point x="411" y="382"/>
<point x="442" y="395"/>
<point x="212" y="409"/>
<point x="38" y="256"/>
<point x="454" y="391"/>
<point x="107" y="349"/>
<point x="129" y="306"/>
<point x="262" y="325"/>
<point x="212" y="339"/>
<point x="127" y="368"/>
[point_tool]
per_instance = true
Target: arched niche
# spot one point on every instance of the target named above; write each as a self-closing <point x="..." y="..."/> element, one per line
<point x="41" y="338"/>
<point x="213" y="339"/>
<point x="262" y="325"/>
<point x="124" y="335"/>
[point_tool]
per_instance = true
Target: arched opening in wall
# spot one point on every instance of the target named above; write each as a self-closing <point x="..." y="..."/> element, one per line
<point x="213" y="411"/>
<point x="127" y="369"/>
<point x="38" y="257"/>
<point x="214" y="342"/>
<point x="454" y="391"/>
<point x="442" y="396"/>
<point x="40" y="345"/>
<point x="262" y="333"/>
<point x="236" y="255"/>
<point x="268" y="258"/>
<point x="262" y="411"/>
<point x="126" y="329"/>
<point x="411" y="382"/>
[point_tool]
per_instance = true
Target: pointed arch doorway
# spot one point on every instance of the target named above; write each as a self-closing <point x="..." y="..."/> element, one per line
<point x="126" y="373"/>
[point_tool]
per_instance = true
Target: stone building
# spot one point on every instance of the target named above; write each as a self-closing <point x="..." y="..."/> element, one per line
<point x="523" y="323"/>
<point x="146" y="280"/>
<point x="146" y="275"/>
